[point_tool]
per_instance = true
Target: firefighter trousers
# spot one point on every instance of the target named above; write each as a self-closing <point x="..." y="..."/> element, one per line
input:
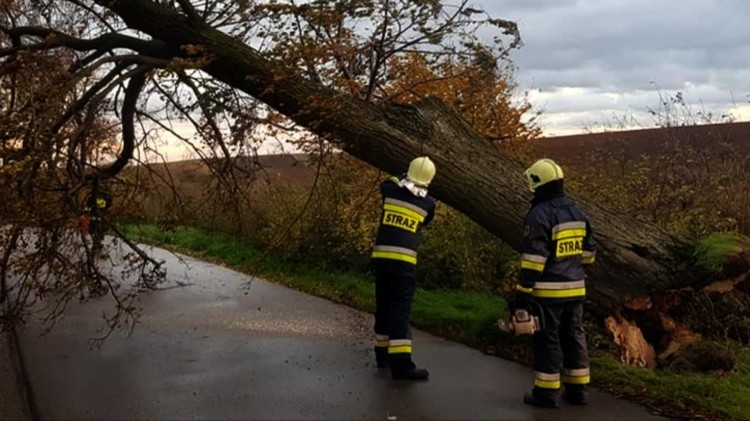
<point x="395" y="282"/>
<point x="560" y="342"/>
<point x="97" y="229"/>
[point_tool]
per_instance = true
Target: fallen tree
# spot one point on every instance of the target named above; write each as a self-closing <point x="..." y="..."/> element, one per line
<point x="474" y="177"/>
<point x="636" y="262"/>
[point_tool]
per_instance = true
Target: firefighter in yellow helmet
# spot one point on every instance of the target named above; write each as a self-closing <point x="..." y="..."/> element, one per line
<point x="96" y="205"/>
<point x="558" y="243"/>
<point x="407" y="208"/>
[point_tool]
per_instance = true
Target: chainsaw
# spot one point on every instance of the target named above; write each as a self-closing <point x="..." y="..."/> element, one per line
<point x="522" y="322"/>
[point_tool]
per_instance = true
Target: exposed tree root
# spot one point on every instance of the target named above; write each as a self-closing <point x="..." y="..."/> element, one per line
<point x="656" y="331"/>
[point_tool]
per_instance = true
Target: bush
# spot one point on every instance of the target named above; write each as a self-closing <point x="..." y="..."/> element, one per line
<point x="459" y="254"/>
<point x="330" y="222"/>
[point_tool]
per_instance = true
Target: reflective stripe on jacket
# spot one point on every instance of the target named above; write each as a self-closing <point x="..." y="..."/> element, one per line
<point x="558" y="243"/>
<point x="401" y="220"/>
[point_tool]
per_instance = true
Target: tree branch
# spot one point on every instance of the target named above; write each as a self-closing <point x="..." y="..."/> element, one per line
<point x="189" y="10"/>
<point x="55" y="39"/>
<point x="133" y="90"/>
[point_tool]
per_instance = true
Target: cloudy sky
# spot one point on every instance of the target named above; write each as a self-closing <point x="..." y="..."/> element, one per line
<point x="590" y="64"/>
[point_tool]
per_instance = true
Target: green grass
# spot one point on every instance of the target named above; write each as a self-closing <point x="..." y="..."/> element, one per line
<point x="470" y="318"/>
<point x="712" y="252"/>
<point x="716" y="395"/>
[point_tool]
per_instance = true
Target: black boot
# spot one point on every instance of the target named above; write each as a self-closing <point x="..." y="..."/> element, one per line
<point x="413" y="374"/>
<point x="575" y="394"/>
<point x="381" y="356"/>
<point x="402" y="368"/>
<point x="545" y="400"/>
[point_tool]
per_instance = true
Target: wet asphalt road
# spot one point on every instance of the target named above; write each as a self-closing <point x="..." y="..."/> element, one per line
<point x="221" y="345"/>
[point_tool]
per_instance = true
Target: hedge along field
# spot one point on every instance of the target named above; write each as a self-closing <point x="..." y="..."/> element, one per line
<point x="329" y="222"/>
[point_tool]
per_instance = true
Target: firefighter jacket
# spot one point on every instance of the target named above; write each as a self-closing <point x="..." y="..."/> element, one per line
<point x="403" y="216"/>
<point x="558" y="243"/>
<point x="97" y="204"/>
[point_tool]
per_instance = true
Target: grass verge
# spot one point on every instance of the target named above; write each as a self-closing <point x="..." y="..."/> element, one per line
<point x="469" y="318"/>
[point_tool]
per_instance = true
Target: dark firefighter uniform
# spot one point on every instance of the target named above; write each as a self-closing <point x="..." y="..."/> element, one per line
<point x="394" y="259"/>
<point x="96" y="206"/>
<point x="558" y="243"/>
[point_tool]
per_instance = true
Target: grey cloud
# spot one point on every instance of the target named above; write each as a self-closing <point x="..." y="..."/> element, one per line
<point x="637" y="31"/>
<point x="631" y="49"/>
<point x="595" y="99"/>
<point x="665" y="76"/>
<point x="496" y="7"/>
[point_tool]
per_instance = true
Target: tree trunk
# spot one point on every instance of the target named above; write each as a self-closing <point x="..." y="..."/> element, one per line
<point x="635" y="259"/>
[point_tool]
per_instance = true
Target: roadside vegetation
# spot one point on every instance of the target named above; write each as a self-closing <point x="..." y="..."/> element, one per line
<point x="469" y="317"/>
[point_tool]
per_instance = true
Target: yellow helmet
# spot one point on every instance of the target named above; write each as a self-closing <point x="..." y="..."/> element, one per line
<point x="421" y="171"/>
<point x="542" y="172"/>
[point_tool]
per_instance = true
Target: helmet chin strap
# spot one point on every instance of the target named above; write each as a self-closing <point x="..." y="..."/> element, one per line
<point x="415" y="189"/>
